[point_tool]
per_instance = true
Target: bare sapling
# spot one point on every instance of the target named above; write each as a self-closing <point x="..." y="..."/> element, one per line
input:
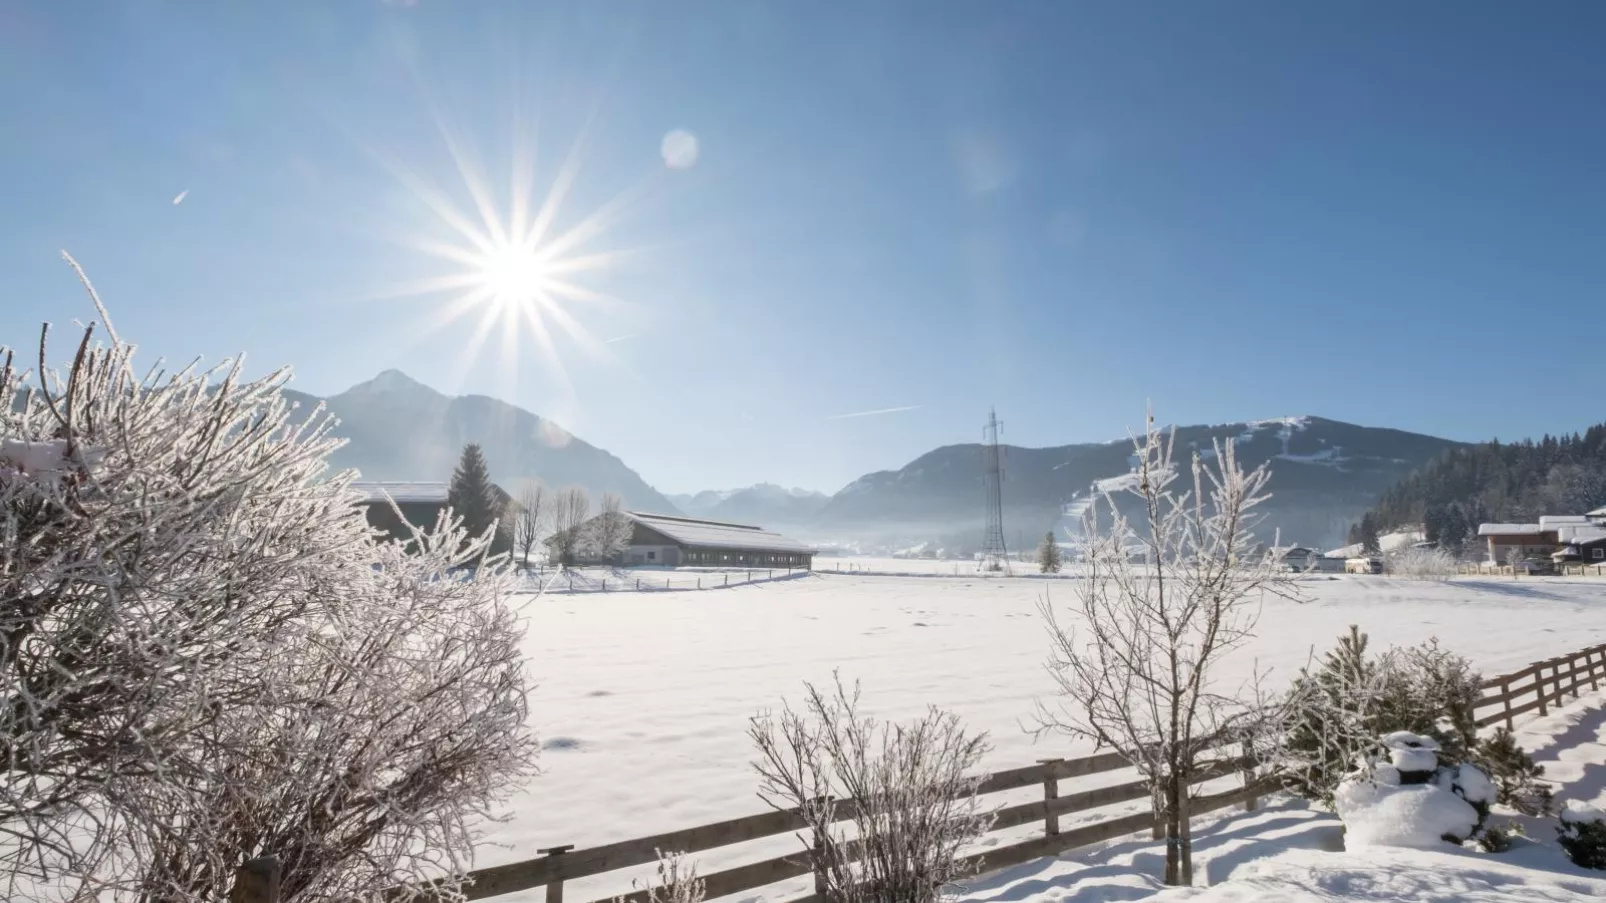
<point x="904" y="795"/>
<point x="529" y="520"/>
<point x="1168" y="592"/>
<point x="675" y="882"/>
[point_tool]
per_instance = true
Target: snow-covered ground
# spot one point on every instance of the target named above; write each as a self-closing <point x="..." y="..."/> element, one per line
<point x="644" y="698"/>
<point x="937" y="567"/>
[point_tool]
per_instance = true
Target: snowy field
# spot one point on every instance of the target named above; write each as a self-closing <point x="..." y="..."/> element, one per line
<point x="934" y="567"/>
<point x="643" y="698"/>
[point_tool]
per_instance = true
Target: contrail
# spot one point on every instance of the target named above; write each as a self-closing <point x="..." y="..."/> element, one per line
<point x="912" y="407"/>
<point x="180" y="199"/>
<point x="619" y="338"/>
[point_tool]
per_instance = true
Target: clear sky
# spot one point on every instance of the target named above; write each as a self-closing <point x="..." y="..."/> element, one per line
<point x="1387" y="213"/>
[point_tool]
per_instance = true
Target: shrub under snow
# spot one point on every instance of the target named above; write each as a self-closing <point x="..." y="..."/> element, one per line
<point x="1410" y="801"/>
<point x="1583" y="834"/>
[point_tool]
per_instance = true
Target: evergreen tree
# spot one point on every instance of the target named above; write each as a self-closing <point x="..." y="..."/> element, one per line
<point x="471" y="495"/>
<point x="1048" y="555"/>
<point x="1368" y="535"/>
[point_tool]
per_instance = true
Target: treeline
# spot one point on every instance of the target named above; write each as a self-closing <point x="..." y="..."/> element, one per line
<point x="1494" y="482"/>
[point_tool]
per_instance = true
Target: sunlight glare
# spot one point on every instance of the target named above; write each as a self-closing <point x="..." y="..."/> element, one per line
<point x="514" y="274"/>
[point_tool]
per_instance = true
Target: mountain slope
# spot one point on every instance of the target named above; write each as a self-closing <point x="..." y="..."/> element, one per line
<point x="1324" y="474"/>
<point x="399" y="429"/>
<point x="765" y="503"/>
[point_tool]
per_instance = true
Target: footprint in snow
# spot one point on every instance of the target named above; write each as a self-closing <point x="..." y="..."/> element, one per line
<point x="562" y="744"/>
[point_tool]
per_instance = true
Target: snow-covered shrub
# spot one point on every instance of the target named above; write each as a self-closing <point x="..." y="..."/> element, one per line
<point x="1519" y="782"/>
<point x="205" y="655"/>
<point x="1499" y="838"/>
<point x="914" y="800"/>
<point x="1411" y="800"/>
<point x="1583" y="835"/>
<point x="1420" y="564"/>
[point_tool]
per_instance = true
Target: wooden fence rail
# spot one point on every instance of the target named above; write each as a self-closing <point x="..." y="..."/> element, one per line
<point x="1535" y="687"/>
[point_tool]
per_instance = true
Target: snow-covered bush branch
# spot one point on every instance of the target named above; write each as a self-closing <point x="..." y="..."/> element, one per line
<point x="1162" y="601"/>
<point x="205" y="654"/>
<point x="908" y="791"/>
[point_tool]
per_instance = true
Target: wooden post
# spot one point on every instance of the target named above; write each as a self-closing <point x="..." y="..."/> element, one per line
<point x="1252" y="803"/>
<point x="699" y="583"/>
<point x="257" y="881"/>
<point x="1594" y="671"/>
<point x="1051" y="792"/>
<point x="638" y="584"/>
<point x="554" y="889"/>
<point x="1505" y="693"/>
<point x="727" y="578"/>
<point x="1539" y="685"/>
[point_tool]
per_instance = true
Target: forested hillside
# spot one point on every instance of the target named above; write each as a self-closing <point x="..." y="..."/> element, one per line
<point x="1495" y="482"/>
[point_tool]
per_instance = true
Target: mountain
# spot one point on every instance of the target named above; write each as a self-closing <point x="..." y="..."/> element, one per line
<point x="1502" y="483"/>
<point x="1325" y="473"/>
<point x="400" y="429"/>
<point x="766" y="504"/>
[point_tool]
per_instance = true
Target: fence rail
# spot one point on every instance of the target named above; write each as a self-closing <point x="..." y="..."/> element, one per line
<point x="1534" y="688"/>
<point x="1485" y="569"/>
<point x="552" y="580"/>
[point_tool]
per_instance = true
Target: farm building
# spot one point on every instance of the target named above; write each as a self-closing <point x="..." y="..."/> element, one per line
<point x="420" y="504"/>
<point x="1581" y="545"/>
<point x="672" y="541"/>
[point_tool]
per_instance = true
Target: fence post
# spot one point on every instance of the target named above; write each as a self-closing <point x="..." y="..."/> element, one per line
<point x="727" y="578"/>
<point x="554" y="889"/>
<point x="699" y="583"/>
<point x="257" y="881"/>
<point x="638" y="584"/>
<point x="1505" y="692"/>
<point x="1051" y="792"/>
<point x="605" y="584"/>
<point x="1539" y="685"/>
<point x="666" y="583"/>
<point x="1594" y="671"/>
<point x="1248" y="771"/>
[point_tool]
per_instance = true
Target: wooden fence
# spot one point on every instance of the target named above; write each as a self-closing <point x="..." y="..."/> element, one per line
<point x="1572" y="569"/>
<point x="1534" y="688"/>
<point x="1540" y="685"/>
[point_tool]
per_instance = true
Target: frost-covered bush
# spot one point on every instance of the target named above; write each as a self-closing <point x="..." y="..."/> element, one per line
<point x="914" y="805"/>
<point x="1499" y="838"/>
<point x="1583" y="835"/>
<point x="1420" y="564"/>
<point x="676" y="881"/>
<point x="205" y="654"/>
<point x="1412" y="801"/>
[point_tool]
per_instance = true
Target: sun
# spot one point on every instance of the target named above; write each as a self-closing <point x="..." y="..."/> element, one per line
<point x="514" y="274"/>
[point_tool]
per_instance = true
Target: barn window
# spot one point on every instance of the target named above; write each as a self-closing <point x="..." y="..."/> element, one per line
<point x="652" y="556"/>
<point x="1598" y="553"/>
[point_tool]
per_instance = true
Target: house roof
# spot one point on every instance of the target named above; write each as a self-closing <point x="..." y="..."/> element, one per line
<point x="690" y="531"/>
<point x="1562" y="520"/>
<point x="1510" y="529"/>
<point x="1582" y="535"/>
<point x="402" y="491"/>
<point x="1598" y="512"/>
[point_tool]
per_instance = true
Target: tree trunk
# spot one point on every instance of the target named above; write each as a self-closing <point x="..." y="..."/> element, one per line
<point x="1173" y="861"/>
<point x="1185" y="832"/>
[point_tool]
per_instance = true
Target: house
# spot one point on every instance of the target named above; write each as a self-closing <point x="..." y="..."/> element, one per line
<point x="1520" y="541"/>
<point x="420" y="504"/>
<point x="1597" y="517"/>
<point x="1298" y="558"/>
<point x="1581" y="545"/>
<point x="673" y="541"/>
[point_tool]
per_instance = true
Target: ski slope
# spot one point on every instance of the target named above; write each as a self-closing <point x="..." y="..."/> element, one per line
<point x="644" y="698"/>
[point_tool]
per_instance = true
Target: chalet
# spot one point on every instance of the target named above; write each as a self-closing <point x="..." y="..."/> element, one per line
<point x="420" y="505"/>
<point x="1520" y="541"/>
<point x="1597" y="517"/>
<point x="673" y="541"/>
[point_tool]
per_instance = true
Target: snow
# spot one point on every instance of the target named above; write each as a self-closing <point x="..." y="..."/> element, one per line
<point x="1577" y="813"/>
<point x="1419" y="815"/>
<point x="1509" y="529"/>
<point x="402" y="492"/>
<point x="642" y="699"/>
<point x="1474" y="784"/>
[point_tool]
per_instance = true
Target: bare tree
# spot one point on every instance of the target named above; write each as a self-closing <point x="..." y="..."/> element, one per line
<point x="529" y="520"/>
<point x="906" y="789"/>
<point x="570" y="510"/>
<point x="612" y="529"/>
<point x="205" y="654"/>
<point x="1134" y="666"/>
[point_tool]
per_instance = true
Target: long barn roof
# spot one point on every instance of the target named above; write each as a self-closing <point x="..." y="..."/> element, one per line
<point x="690" y="531"/>
<point x="402" y="491"/>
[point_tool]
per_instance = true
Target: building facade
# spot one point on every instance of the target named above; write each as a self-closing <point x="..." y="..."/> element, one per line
<point x="420" y="504"/>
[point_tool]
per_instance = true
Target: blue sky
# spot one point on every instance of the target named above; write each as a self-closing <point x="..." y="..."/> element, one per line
<point x="1393" y="214"/>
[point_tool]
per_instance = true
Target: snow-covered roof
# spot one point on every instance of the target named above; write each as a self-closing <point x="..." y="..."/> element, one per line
<point x="402" y="491"/>
<point x="1598" y="512"/>
<point x="1557" y="520"/>
<point x="718" y="534"/>
<point x="1350" y="551"/>
<point x="1510" y="529"/>
<point x="1581" y="533"/>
